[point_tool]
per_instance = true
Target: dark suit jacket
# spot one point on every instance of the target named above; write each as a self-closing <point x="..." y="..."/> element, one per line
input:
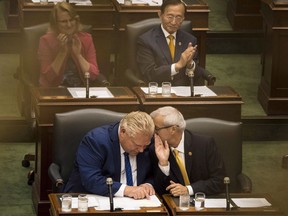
<point x="154" y="58"/>
<point x="98" y="157"/>
<point x="204" y="166"/>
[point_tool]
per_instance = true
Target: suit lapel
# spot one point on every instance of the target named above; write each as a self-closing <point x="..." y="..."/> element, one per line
<point x="179" y="45"/>
<point x="162" y="45"/>
<point x="188" y="153"/>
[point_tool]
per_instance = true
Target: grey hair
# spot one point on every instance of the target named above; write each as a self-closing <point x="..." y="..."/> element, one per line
<point x="171" y="116"/>
<point x="138" y="122"/>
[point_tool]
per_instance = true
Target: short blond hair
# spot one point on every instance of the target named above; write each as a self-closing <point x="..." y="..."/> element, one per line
<point x="63" y="6"/>
<point x="138" y="122"/>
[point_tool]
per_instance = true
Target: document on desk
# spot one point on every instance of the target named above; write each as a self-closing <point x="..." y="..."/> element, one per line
<point x="184" y="91"/>
<point x="97" y="92"/>
<point x="125" y="203"/>
<point x="240" y="202"/>
<point x="148" y="2"/>
<point x="77" y="2"/>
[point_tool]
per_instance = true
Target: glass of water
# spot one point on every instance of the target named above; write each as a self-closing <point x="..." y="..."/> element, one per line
<point x="82" y="202"/>
<point x="199" y="201"/>
<point x="66" y="204"/>
<point x="184" y="202"/>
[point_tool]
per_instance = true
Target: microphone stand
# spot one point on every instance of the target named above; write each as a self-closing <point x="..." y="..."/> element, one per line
<point x="227" y="182"/>
<point x="87" y="77"/>
<point x="190" y="73"/>
<point x="109" y="183"/>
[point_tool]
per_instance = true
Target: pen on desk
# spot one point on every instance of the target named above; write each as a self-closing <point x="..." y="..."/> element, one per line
<point x="155" y="2"/>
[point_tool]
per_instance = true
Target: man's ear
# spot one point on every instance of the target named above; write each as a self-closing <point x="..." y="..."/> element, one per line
<point x="159" y="14"/>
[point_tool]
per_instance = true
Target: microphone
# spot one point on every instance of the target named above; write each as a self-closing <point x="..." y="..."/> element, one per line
<point x="190" y="73"/>
<point x="109" y="183"/>
<point x="87" y="77"/>
<point x="227" y="182"/>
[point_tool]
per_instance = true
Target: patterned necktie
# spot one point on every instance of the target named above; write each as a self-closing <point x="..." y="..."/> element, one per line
<point x="171" y="46"/>
<point x="128" y="170"/>
<point x="181" y="166"/>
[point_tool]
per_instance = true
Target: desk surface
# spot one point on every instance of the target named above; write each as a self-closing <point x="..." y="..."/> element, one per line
<point x="173" y="207"/>
<point x="55" y="210"/>
<point x="48" y="101"/>
<point x="226" y="105"/>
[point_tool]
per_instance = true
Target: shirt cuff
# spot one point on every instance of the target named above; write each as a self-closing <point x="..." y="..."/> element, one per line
<point x="120" y="192"/>
<point x="165" y="169"/>
<point x="173" y="70"/>
<point x="190" y="190"/>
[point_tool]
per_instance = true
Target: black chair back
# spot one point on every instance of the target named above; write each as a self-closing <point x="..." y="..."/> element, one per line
<point x="228" y="137"/>
<point x="70" y="128"/>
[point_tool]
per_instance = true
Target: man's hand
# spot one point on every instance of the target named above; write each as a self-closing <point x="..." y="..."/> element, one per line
<point x="177" y="189"/>
<point x="162" y="150"/>
<point x="186" y="57"/>
<point x="139" y="192"/>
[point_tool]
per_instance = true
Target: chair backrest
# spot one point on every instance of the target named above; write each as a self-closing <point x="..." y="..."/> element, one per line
<point x="29" y="59"/>
<point x="134" y="30"/>
<point x="228" y="137"/>
<point x="30" y="67"/>
<point x="70" y="128"/>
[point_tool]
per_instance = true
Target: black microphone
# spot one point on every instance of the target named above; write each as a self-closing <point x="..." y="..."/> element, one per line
<point x="227" y="182"/>
<point x="190" y="73"/>
<point x="87" y="77"/>
<point x="109" y="183"/>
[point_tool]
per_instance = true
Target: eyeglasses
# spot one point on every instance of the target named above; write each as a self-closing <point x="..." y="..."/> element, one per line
<point x="66" y="21"/>
<point x="171" y="18"/>
<point x="160" y="128"/>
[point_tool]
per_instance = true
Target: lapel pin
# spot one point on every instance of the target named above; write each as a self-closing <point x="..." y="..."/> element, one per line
<point x="190" y="153"/>
<point x="180" y="43"/>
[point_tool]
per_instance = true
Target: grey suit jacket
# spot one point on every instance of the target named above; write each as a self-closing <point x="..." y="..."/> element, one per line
<point x="154" y="58"/>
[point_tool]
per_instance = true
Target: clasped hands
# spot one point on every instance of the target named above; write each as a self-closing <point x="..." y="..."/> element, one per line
<point x="139" y="192"/>
<point x="186" y="57"/>
<point x="70" y="42"/>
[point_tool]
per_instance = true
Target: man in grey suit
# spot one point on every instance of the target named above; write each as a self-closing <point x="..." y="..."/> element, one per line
<point x="154" y="58"/>
<point x="203" y="165"/>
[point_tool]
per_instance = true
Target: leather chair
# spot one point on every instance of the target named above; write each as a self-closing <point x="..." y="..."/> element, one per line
<point x="69" y="129"/>
<point x="28" y="74"/>
<point x="132" y="75"/>
<point x="228" y="137"/>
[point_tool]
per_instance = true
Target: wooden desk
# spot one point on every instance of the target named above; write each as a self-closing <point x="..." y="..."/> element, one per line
<point x="172" y="204"/>
<point x="55" y="210"/>
<point x="273" y="88"/>
<point x="226" y="105"/>
<point x="48" y="101"/>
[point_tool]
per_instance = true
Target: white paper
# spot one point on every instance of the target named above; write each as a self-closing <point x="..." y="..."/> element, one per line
<point x="240" y="202"/>
<point x="99" y="92"/>
<point x="126" y="203"/>
<point x="149" y="2"/>
<point x="77" y="2"/>
<point x="184" y="91"/>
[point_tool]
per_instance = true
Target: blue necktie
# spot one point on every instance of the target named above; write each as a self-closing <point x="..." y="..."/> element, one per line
<point x="128" y="170"/>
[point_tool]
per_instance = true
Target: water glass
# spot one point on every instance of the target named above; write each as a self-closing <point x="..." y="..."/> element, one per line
<point x="166" y="89"/>
<point x="199" y="201"/>
<point x="66" y="204"/>
<point x="82" y="202"/>
<point x="153" y="88"/>
<point x="43" y="1"/>
<point x="184" y="202"/>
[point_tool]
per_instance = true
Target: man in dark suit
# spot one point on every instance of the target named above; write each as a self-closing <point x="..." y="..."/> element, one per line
<point x="155" y="60"/>
<point x="101" y="154"/>
<point x="202" y="163"/>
